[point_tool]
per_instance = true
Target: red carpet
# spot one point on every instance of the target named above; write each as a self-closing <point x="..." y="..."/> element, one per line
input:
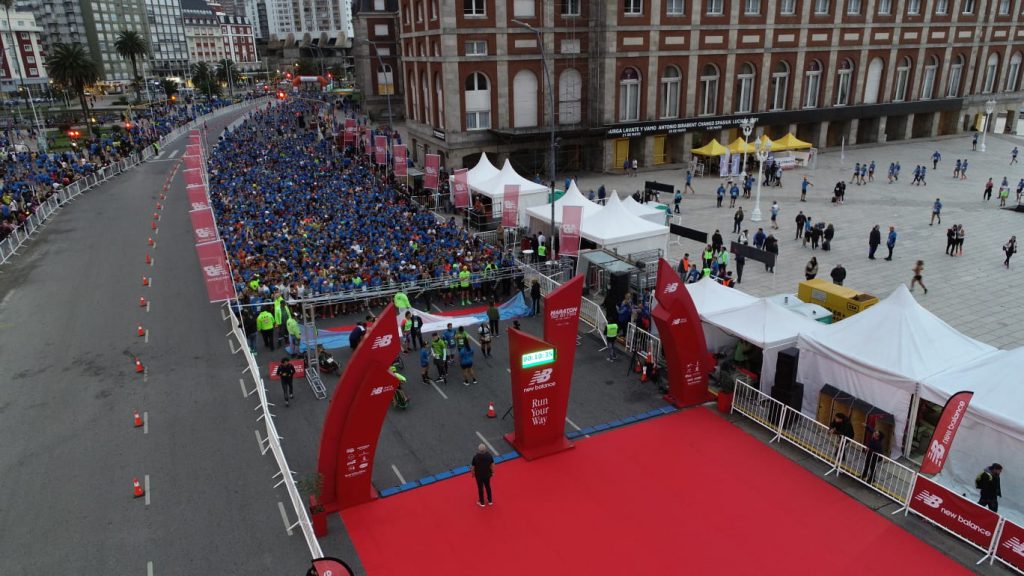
<point x="683" y="494"/>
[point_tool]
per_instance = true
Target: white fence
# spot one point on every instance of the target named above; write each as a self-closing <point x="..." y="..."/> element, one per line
<point x="591" y="313"/>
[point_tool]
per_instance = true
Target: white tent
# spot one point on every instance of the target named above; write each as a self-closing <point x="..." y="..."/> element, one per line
<point x="764" y="324"/>
<point x="482" y="172"/>
<point x="540" y="216"/>
<point x="530" y="193"/>
<point x="646" y="211"/>
<point x="881" y="355"/>
<point x="993" y="427"/>
<point x="710" y="297"/>
<point x="615" y="228"/>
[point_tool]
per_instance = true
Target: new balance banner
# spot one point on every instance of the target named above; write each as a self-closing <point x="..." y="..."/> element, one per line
<point x="214" y="265"/>
<point x="959" y="515"/>
<point x="540" y="394"/>
<point x="193" y="177"/>
<point x="430" y="171"/>
<point x="380" y="147"/>
<point x="460" y="188"/>
<point x="329" y="567"/>
<point x="569" y="230"/>
<point x="1011" y="545"/>
<point x="682" y="340"/>
<point x="203" y="228"/>
<point x="945" y="431"/>
<point x="197" y="199"/>
<point x="355" y="415"/>
<point x="350" y="131"/>
<point x="300" y="370"/>
<point x="401" y="161"/>
<point x="510" y="206"/>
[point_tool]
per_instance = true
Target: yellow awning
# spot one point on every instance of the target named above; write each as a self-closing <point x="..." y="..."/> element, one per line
<point x="738" y="146"/>
<point x="790" y="142"/>
<point x="713" y="148"/>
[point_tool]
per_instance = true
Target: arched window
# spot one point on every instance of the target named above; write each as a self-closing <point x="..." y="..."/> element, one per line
<point x="709" y="90"/>
<point x="873" y="83"/>
<point x="844" y="77"/>
<point x="991" y="71"/>
<point x="570" y="96"/>
<point x="524" y="99"/>
<point x="928" y="81"/>
<point x="780" y="85"/>
<point x="812" y="84"/>
<point x="745" y="88"/>
<point x="478" y="102"/>
<point x="899" y="93"/>
<point x="670" y="80"/>
<point x="955" y="72"/>
<point x="439" y="100"/>
<point x="385" y="80"/>
<point x="1013" y="72"/>
<point x="629" y="95"/>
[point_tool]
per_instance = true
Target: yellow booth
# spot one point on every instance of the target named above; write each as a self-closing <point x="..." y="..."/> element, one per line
<point x="839" y="300"/>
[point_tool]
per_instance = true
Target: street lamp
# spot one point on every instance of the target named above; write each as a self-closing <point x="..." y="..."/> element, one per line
<point x="551" y="116"/>
<point x="391" y="85"/>
<point x="747" y="125"/>
<point x="989" y="107"/>
<point x="762" y="148"/>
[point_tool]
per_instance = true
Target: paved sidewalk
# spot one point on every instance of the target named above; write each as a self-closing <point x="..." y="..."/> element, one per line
<point x="974" y="293"/>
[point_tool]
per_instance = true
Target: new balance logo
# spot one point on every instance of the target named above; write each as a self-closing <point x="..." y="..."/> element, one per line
<point x="936" y="452"/>
<point x="381" y="341"/>
<point x="670" y="288"/>
<point x="215" y="271"/>
<point x="1015" y="545"/>
<point x="377" y="390"/>
<point x="929" y="499"/>
<point x="540" y="376"/>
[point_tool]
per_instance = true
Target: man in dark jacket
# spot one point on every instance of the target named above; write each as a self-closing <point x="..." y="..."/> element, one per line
<point x="356" y="335"/>
<point x="876" y="445"/>
<point x="800" y="219"/>
<point x="838" y="275"/>
<point x="874" y="239"/>
<point x="988" y="483"/>
<point x="716" y="240"/>
<point x="482" y="468"/>
<point x="841" y="425"/>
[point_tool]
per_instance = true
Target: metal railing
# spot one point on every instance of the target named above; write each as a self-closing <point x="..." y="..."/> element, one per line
<point x="643" y="342"/>
<point x="591" y="313"/>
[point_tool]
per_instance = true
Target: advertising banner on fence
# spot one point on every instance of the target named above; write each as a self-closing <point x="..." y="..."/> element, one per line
<point x="569" y="231"/>
<point x="460" y="188"/>
<point x="682" y="340"/>
<point x="350" y="131"/>
<point x="1011" y="545"/>
<point x="540" y="396"/>
<point x="329" y="567"/>
<point x="197" y="199"/>
<point x="942" y="437"/>
<point x="380" y="147"/>
<point x="960" y="516"/>
<point x="430" y="171"/>
<point x="355" y="416"/>
<point x="510" y="206"/>
<point x="401" y="161"/>
<point x="193" y="177"/>
<point x="214" y="265"/>
<point x="203" y="229"/>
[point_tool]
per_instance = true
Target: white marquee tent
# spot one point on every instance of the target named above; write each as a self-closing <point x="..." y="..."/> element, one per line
<point x="540" y="216"/>
<point x="646" y="211"/>
<point x="881" y="355"/>
<point x="615" y="228"/>
<point x="482" y="172"/>
<point x="710" y="297"/>
<point x="530" y="193"/>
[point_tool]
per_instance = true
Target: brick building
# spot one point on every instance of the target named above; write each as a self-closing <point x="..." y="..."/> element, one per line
<point x="376" y="63"/>
<point x="653" y="79"/>
<point x="22" y="61"/>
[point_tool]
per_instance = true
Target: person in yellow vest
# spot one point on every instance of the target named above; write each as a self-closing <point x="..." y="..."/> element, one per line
<point x="294" y="335"/>
<point x="265" y="324"/>
<point x="464" y="285"/>
<point x="254" y="284"/>
<point x="542" y="252"/>
<point x="280" y="317"/>
<point x="402" y="301"/>
<point x="406" y="331"/>
<point x="611" y="332"/>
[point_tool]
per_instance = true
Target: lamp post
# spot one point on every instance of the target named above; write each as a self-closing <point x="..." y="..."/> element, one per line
<point x="747" y="125"/>
<point x="990" y="106"/>
<point x="761" y="152"/>
<point x="391" y="85"/>
<point x="551" y="116"/>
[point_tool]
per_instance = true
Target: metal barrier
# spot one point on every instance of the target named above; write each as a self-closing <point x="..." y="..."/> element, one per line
<point x="641" y="341"/>
<point x="591" y="313"/>
<point x="890" y="478"/>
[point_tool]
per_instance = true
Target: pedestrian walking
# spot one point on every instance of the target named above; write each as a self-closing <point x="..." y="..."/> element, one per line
<point x="988" y="484"/>
<point x="871" y="171"/>
<point x="737" y="220"/>
<point x="611" y="332"/>
<point x="974" y="142"/>
<point x="493" y="318"/>
<point x="960" y="235"/>
<point x="875" y="446"/>
<point x="251" y="328"/>
<point x="740" y="262"/>
<point x="689" y="182"/>
<point x="890" y="242"/>
<point x="734" y="193"/>
<point x="950" y="239"/>
<point x="485" y="334"/>
<point x="775" y="215"/>
<point x="1013" y="155"/>
<point x="956" y="169"/>
<point x="936" y="212"/>
<point x="1020" y="189"/>
<point x="677" y="199"/>
<point x="285" y="371"/>
<point x="771" y="246"/>
<point x="987" y="194"/>
<point x="1004" y="193"/>
<point x="924" y="173"/>
<point x="811" y="269"/>
<point x="439" y="352"/>
<point x="803" y="189"/>
<point x="482" y="468"/>
<point x="265" y="324"/>
<point x="892" y="172"/>
<point x="636" y="166"/>
<point x="918" y="271"/>
<point x="466" y="363"/>
<point x="856" y="174"/>
<point x="720" y="194"/>
<point x="963" y="170"/>
<point x="935" y="160"/>
<point x="535" y="298"/>
<point x="874" y="239"/>
<point x="1010" y="248"/>
<point x="838" y="275"/>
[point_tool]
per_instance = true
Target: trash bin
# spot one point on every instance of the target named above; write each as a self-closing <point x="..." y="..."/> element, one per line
<point x="725" y="402"/>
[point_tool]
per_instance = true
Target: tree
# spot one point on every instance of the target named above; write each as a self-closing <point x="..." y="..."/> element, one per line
<point x="204" y="80"/>
<point x="170" y="87"/>
<point x="307" y="67"/>
<point x="73" y="68"/>
<point x="131" y="45"/>
<point x="228" y="73"/>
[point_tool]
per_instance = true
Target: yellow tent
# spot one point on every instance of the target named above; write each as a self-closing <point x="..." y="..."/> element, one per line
<point x="765" y="140"/>
<point x="790" y="142"/>
<point x="713" y="148"/>
<point x="738" y="145"/>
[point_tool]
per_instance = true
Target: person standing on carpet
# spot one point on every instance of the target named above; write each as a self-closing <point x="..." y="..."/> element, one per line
<point x="482" y="469"/>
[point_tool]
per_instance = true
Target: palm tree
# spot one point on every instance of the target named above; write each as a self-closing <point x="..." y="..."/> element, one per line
<point x="203" y="78"/>
<point x="227" y="72"/>
<point x="170" y="87"/>
<point x="72" y="67"/>
<point x="131" y="45"/>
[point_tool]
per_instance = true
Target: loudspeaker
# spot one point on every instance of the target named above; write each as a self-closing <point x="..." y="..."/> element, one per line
<point x="791" y="396"/>
<point x="785" y="367"/>
<point x="618" y="285"/>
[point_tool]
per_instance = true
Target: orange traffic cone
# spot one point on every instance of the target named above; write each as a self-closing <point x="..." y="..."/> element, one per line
<point x="145" y="281"/>
<point x="154" y="225"/>
<point x="156" y="215"/>
<point x="151" y="241"/>
<point x="142" y="301"/>
<point x="159" y="206"/>
<point x="138" y="367"/>
<point x="490" y="410"/>
<point x="148" y="259"/>
<point x="142" y="331"/>
<point x="139" y="492"/>
<point x="138" y="419"/>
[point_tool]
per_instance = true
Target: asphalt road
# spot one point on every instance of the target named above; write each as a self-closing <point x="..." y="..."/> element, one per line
<point x="69" y="312"/>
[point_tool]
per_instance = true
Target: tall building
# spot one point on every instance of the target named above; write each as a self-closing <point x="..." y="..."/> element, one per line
<point x="377" y="64"/>
<point x="22" y="62"/>
<point x="167" y="44"/>
<point x="102" y="21"/>
<point x="202" y="32"/>
<point x="60" y="21"/>
<point x="653" y="79"/>
<point x="238" y="40"/>
<point x="324" y="23"/>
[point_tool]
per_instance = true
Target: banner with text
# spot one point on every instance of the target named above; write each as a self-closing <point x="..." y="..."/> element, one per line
<point x="1011" y="545"/>
<point x="569" y="230"/>
<point x="197" y="199"/>
<point x="350" y="131"/>
<point x="401" y="161"/>
<point x="510" y="206"/>
<point x="203" y="229"/>
<point x="460" y="188"/>
<point x="380" y="146"/>
<point x="540" y="396"/>
<point x="949" y="510"/>
<point x="431" y="169"/>
<point x="682" y="340"/>
<point x="942" y="437"/>
<point x="214" y="265"/>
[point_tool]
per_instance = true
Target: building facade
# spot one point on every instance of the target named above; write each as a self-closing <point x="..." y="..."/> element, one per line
<point x="377" y="62"/>
<point x="653" y="79"/>
<point x="238" y="40"/>
<point x="22" y="63"/>
<point x="202" y="32"/>
<point x="168" y="47"/>
<point x="324" y="23"/>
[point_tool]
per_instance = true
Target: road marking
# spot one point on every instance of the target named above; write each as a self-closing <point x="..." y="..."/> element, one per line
<point x="147" y="306"/>
<point x="443" y="395"/>
<point x="399" y="474"/>
<point x="571" y="423"/>
<point x="149" y="568"/>
<point x="145" y="422"/>
<point x="146" y="334"/>
<point x="284" y="517"/>
<point x="150" y="281"/>
<point x="173" y="154"/>
<point x="147" y="489"/>
<point x="245" y="393"/>
<point x="486" y="443"/>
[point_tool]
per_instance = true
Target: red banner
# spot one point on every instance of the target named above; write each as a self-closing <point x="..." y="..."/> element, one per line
<point x="203" y="228"/>
<point x="942" y="437"/>
<point x="510" y="206"/>
<point x="460" y="188"/>
<point x="329" y="567"/>
<point x="214" y="265"/>
<point x="197" y="199"/>
<point x="430" y="171"/>
<point x="193" y="177"/>
<point x="401" y="158"/>
<point x="562" y="323"/>
<point x="569" y="231"/>
<point x="953" y="512"/>
<point x="540" y="395"/>
<point x="300" y="370"/>
<point x="356" y="414"/>
<point x="682" y="339"/>
<point x="380" y="147"/>
<point x="1011" y="545"/>
<point x="350" y="131"/>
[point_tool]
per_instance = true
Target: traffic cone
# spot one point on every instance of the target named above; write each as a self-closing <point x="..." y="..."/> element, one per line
<point x="159" y="206"/>
<point x="154" y="225"/>
<point x="142" y="331"/>
<point x="148" y="259"/>
<point x="138" y="419"/>
<point x="151" y="243"/>
<point x="139" y="369"/>
<point x="145" y="281"/>
<point x="163" y="196"/>
<point x="156" y="215"/>
<point x="139" y="492"/>
<point x="142" y="301"/>
<point x="490" y="410"/>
